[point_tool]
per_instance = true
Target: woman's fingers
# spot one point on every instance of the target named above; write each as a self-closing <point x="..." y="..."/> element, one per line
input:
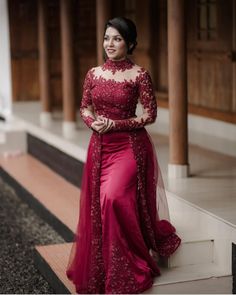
<point x="102" y="124"/>
<point x="97" y="126"/>
<point x="101" y="118"/>
<point x="110" y="124"/>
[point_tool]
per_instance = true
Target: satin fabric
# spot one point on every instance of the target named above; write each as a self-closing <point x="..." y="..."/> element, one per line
<point x="119" y="211"/>
<point x="121" y="198"/>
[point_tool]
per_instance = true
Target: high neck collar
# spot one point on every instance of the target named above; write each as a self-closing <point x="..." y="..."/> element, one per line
<point x="117" y="65"/>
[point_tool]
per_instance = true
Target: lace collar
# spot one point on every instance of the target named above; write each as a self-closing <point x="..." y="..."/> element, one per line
<point x="117" y="65"/>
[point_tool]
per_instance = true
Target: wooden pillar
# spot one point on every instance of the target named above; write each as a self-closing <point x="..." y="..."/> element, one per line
<point x="103" y="14"/>
<point x="68" y="71"/>
<point x="44" y="76"/>
<point x="177" y="78"/>
<point x="142" y="20"/>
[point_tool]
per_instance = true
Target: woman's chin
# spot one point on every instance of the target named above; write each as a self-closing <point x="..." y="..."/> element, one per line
<point x="115" y="57"/>
<point x="112" y="56"/>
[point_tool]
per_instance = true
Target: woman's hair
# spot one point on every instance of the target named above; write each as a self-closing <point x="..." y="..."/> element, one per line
<point x="127" y="29"/>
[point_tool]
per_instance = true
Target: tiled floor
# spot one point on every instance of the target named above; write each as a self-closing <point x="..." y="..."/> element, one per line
<point x="57" y="258"/>
<point x="211" y="185"/>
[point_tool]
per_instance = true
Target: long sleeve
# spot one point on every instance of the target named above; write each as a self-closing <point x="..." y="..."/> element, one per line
<point x="148" y="102"/>
<point x="86" y="108"/>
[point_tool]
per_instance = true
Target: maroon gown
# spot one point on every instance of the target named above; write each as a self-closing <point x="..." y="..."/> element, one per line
<point x="123" y="208"/>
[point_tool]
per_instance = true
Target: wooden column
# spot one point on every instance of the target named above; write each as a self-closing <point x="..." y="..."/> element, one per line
<point x="177" y="78"/>
<point x="142" y="17"/>
<point x="68" y="71"/>
<point x="103" y="14"/>
<point x="44" y="78"/>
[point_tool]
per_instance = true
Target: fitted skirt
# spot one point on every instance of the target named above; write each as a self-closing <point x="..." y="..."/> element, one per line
<point x="123" y="215"/>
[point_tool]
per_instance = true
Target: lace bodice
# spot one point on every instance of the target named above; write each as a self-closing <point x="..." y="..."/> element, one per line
<point x="113" y="91"/>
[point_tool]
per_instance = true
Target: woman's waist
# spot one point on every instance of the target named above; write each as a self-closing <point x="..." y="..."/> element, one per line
<point x="115" y="137"/>
<point x="116" y="114"/>
<point x="120" y="136"/>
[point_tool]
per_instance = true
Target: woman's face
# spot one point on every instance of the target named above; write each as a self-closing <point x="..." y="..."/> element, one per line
<point x="114" y="44"/>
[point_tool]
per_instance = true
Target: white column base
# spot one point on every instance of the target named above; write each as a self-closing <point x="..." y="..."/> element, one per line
<point x="178" y="171"/>
<point x="69" y="129"/>
<point x="45" y="119"/>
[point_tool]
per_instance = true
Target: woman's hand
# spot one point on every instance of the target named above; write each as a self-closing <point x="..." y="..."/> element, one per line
<point x="102" y="124"/>
<point x="97" y="126"/>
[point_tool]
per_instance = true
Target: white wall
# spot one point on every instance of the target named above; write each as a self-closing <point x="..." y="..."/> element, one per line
<point x="5" y="63"/>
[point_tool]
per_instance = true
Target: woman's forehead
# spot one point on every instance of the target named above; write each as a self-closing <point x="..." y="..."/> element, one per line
<point x="112" y="32"/>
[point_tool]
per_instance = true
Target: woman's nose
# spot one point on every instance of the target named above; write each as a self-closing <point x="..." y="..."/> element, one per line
<point x="110" y="42"/>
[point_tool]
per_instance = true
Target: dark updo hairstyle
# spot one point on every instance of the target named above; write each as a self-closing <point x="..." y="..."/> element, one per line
<point x="127" y="29"/>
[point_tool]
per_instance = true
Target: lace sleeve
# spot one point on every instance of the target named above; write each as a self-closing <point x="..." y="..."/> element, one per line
<point x="86" y="108"/>
<point x="148" y="102"/>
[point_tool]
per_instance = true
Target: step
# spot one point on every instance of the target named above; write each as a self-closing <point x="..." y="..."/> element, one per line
<point x="2" y="138"/>
<point x="53" y="198"/>
<point x="14" y="125"/>
<point x="194" y="223"/>
<point x="52" y="261"/>
<point x="190" y="220"/>
<point x="194" y="249"/>
<point x="12" y="142"/>
<point x="12" y="137"/>
<point x="58" y="202"/>
<point x="214" y="285"/>
<point x="191" y="252"/>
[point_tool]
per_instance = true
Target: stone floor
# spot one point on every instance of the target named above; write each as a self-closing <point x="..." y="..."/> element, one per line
<point x="20" y="230"/>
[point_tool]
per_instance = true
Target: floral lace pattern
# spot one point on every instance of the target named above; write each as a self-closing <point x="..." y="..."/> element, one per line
<point x="99" y="97"/>
<point x="97" y="275"/>
<point x="120" y="273"/>
<point x="86" y="109"/>
<point x="121" y="279"/>
<point x="140" y="154"/>
<point x="148" y="102"/>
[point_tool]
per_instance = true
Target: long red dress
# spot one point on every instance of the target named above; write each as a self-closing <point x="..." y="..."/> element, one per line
<point x="123" y="208"/>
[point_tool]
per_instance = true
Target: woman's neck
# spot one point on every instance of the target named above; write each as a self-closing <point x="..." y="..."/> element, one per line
<point x="117" y="65"/>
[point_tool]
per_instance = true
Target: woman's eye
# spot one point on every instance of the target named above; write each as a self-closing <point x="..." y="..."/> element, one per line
<point x="117" y="39"/>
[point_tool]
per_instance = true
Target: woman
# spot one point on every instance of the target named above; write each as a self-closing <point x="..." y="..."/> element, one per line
<point x="123" y="209"/>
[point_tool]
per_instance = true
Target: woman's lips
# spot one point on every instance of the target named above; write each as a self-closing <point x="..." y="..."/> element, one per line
<point x="110" y="50"/>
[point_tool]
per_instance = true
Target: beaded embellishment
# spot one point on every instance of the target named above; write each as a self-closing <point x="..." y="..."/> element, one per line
<point x="117" y="65"/>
